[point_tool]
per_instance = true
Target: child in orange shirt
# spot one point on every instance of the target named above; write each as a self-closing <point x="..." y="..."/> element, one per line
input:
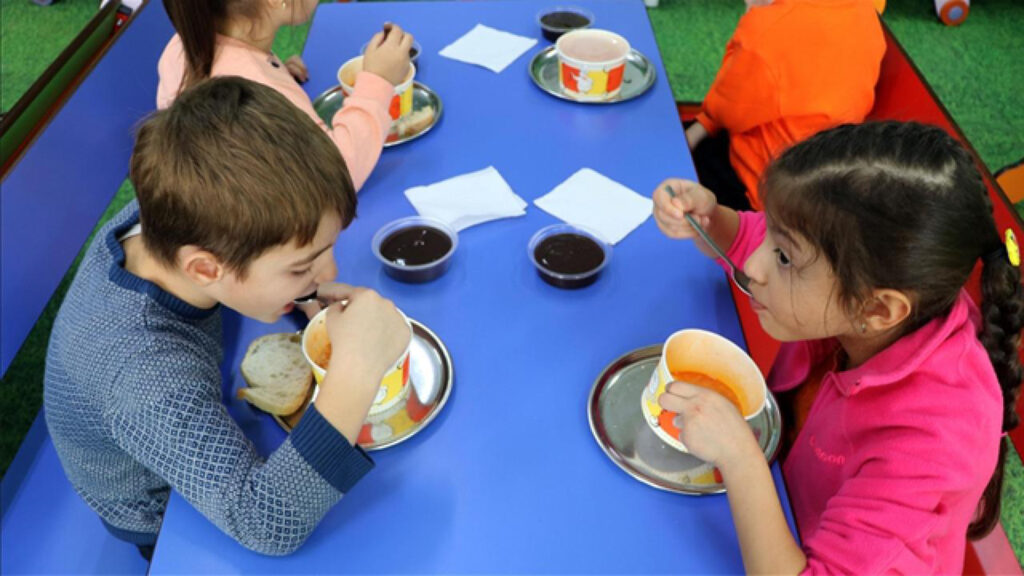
<point x="233" y="38"/>
<point x="791" y="69"/>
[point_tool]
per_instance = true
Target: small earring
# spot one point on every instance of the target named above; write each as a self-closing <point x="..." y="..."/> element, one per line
<point x="863" y="327"/>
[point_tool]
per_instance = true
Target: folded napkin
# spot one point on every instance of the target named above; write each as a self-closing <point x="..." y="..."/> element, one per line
<point x="467" y="200"/>
<point x="487" y="47"/>
<point x="597" y="203"/>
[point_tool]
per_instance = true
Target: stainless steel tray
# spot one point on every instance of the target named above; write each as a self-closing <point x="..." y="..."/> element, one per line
<point x="638" y="77"/>
<point x="431" y="375"/>
<point x="426" y="111"/>
<point x="620" y="429"/>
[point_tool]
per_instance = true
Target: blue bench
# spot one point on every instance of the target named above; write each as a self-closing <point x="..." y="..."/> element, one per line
<point x="50" y="201"/>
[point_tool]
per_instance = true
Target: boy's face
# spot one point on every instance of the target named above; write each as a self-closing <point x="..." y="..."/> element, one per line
<point x="795" y="293"/>
<point x="282" y="274"/>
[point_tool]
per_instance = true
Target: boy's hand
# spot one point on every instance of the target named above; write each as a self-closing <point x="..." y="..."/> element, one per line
<point x="387" y="54"/>
<point x="367" y="335"/>
<point x="297" y="68"/>
<point x="673" y="198"/>
<point x="710" y="426"/>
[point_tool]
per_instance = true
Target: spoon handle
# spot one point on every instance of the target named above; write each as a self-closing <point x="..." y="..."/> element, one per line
<point x="707" y="238"/>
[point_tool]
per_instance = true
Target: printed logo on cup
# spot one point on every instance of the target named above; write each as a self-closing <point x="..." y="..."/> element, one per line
<point x="591" y="63"/>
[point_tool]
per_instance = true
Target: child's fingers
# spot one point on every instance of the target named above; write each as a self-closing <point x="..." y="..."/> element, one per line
<point x="395" y="36"/>
<point x="407" y="42"/>
<point x="336" y="291"/>
<point x="683" y="390"/>
<point x="375" y="42"/>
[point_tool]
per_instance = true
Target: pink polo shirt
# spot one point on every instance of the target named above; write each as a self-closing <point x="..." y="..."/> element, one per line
<point x="358" y="129"/>
<point x="888" y="470"/>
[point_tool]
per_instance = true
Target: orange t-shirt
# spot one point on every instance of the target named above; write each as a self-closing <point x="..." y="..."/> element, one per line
<point x="791" y="69"/>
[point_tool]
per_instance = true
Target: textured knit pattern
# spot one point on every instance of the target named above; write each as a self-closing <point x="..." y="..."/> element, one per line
<point x="133" y="404"/>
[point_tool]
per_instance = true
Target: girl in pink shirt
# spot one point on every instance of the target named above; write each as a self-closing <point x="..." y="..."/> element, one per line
<point x="234" y="37"/>
<point x="858" y="264"/>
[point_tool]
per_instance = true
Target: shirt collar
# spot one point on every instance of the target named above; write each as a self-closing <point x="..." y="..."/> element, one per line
<point x="904" y="356"/>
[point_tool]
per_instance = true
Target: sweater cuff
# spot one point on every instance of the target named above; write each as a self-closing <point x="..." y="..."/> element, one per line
<point x="707" y="123"/>
<point x="329" y="452"/>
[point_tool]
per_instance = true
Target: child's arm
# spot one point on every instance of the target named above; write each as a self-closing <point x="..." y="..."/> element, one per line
<point x="362" y="125"/>
<point x="177" y="428"/>
<point x="714" y="431"/>
<point x="366" y="338"/>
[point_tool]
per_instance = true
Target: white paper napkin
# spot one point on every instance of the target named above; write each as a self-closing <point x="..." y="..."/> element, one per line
<point x="487" y="47"/>
<point x="467" y="200"/>
<point x="597" y="203"/>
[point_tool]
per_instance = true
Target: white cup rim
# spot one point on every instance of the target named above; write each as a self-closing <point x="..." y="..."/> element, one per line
<point x="596" y="32"/>
<point x="321" y="318"/>
<point x="410" y="77"/>
<point x="731" y="345"/>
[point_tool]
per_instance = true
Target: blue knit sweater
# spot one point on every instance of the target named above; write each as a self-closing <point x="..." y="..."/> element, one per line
<point x="133" y="404"/>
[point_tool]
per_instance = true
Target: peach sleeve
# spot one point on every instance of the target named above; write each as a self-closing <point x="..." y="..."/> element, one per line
<point x="359" y="128"/>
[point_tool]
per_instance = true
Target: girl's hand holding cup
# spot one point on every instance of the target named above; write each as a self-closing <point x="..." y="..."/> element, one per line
<point x="710" y="425"/>
<point x="387" y="54"/>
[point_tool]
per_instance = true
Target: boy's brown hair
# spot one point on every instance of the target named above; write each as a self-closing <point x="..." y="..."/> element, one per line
<point x="235" y="168"/>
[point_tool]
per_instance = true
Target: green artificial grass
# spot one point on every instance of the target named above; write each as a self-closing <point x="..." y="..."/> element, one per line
<point x="31" y="37"/>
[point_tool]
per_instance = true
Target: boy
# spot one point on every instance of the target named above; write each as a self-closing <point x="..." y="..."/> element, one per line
<point x="791" y="69"/>
<point x="240" y="200"/>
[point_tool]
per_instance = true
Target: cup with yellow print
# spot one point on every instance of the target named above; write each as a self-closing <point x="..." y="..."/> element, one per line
<point x="707" y="360"/>
<point x="401" y="102"/>
<point x="591" y="64"/>
<point x="316" y="348"/>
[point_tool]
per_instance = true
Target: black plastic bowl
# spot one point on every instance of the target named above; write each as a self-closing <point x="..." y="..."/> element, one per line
<point x="561" y="19"/>
<point x="567" y="256"/>
<point x="415" y="249"/>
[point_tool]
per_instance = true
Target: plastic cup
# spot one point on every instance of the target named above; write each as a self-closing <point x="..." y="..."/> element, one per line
<point x="316" y="348"/>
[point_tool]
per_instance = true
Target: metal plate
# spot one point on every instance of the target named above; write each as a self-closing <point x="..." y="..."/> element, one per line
<point x="637" y="79"/>
<point x="622" y="432"/>
<point x="426" y="111"/>
<point x="431" y="375"/>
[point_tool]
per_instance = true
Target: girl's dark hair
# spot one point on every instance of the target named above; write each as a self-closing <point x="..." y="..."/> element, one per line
<point x="196" y="22"/>
<point x="902" y="206"/>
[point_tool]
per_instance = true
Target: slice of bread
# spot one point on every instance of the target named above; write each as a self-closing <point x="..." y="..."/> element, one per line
<point x="278" y="375"/>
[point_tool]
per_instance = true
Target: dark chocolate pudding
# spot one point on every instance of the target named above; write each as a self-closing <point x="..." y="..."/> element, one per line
<point x="568" y="254"/>
<point x="415" y="246"/>
<point x="554" y="24"/>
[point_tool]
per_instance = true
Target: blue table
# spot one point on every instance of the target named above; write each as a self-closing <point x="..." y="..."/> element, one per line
<point x="509" y="477"/>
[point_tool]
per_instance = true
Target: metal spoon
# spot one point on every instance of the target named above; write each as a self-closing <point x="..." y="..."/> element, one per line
<point x="742" y="280"/>
<point x="314" y="297"/>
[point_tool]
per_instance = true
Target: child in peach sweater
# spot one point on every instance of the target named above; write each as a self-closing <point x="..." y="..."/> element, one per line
<point x="234" y="38"/>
